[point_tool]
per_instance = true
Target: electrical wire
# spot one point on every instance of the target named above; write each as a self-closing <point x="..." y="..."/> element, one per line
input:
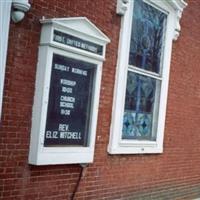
<point x="77" y="184"/>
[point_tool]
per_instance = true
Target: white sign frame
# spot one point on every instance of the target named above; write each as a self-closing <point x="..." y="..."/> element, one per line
<point x="39" y="154"/>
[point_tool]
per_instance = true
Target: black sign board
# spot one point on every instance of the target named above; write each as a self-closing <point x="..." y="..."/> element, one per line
<point x="70" y="94"/>
<point x="76" y="42"/>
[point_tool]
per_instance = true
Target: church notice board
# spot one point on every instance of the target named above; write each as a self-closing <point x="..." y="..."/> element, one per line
<point x="70" y="96"/>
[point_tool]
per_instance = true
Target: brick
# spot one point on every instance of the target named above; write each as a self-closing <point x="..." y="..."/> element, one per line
<point x="174" y="174"/>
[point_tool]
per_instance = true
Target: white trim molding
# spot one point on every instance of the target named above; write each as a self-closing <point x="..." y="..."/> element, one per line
<point x="22" y="5"/>
<point x="121" y="6"/>
<point x="5" y="7"/>
<point x="19" y="8"/>
<point x="177" y="5"/>
<point x="172" y="9"/>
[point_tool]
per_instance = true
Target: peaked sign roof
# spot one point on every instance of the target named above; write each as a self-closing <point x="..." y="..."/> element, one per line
<point x="79" y="24"/>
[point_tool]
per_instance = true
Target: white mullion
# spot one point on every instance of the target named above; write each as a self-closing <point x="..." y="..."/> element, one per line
<point x="144" y="72"/>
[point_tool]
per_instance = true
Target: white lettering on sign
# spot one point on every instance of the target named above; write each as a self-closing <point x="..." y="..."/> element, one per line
<point x="92" y="48"/>
<point x="51" y="134"/>
<point x="67" y="82"/>
<point x="74" y="43"/>
<point x="67" y="98"/>
<point x="66" y="105"/>
<point x="58" y="38"/>
<point x="66" y="89"/>
<point x="70" y="42"/>
<point x="63" y="127"/>
<point x="79" y="71"/>
<point x="61" y="67"/>
<point x="83" y="45"/>
<point x="71" y="135"/>
<point x="77" y="43"/>
<point x="65" y="112"/>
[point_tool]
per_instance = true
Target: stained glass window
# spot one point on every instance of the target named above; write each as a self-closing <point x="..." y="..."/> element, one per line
<point x="139" y="107"/>
<point x="143" y="90"/>
<point x="146" y="37"/>
<point x="142" y="76"/>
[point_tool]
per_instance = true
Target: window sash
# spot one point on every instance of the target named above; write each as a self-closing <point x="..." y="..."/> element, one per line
<point x="152" y="116"/>
<point x="144" y="72"/>
<point x="148" y="27"/>
<point x="137" y="112"/>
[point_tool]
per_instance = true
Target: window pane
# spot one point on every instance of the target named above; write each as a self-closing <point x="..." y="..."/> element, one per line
<point x="146" y="37"/>
<point x="70" y="95"/>
<point x="141" y="103"/>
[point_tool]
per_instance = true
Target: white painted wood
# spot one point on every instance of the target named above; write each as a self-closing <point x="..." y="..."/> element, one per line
<point x="116" y="144"/>
<point x="177" y="5"/>
<point x="40" y="155"/>
<point x="121" y="7"/>
<point x="79" y="27"/>
<point x="19" y="8"/>
<point x="5" y="7"/>
<point x="120" y="81"/>
<point x="80" y="24"/>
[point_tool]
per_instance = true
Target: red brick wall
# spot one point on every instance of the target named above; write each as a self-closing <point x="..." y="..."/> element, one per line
<point x="175" y="174"/>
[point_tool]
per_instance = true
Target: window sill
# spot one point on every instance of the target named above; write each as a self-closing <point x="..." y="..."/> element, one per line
<point x="136" y="148"/>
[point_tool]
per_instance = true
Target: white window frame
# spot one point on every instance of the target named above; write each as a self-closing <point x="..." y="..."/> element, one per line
<point x="116" y="144"/>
